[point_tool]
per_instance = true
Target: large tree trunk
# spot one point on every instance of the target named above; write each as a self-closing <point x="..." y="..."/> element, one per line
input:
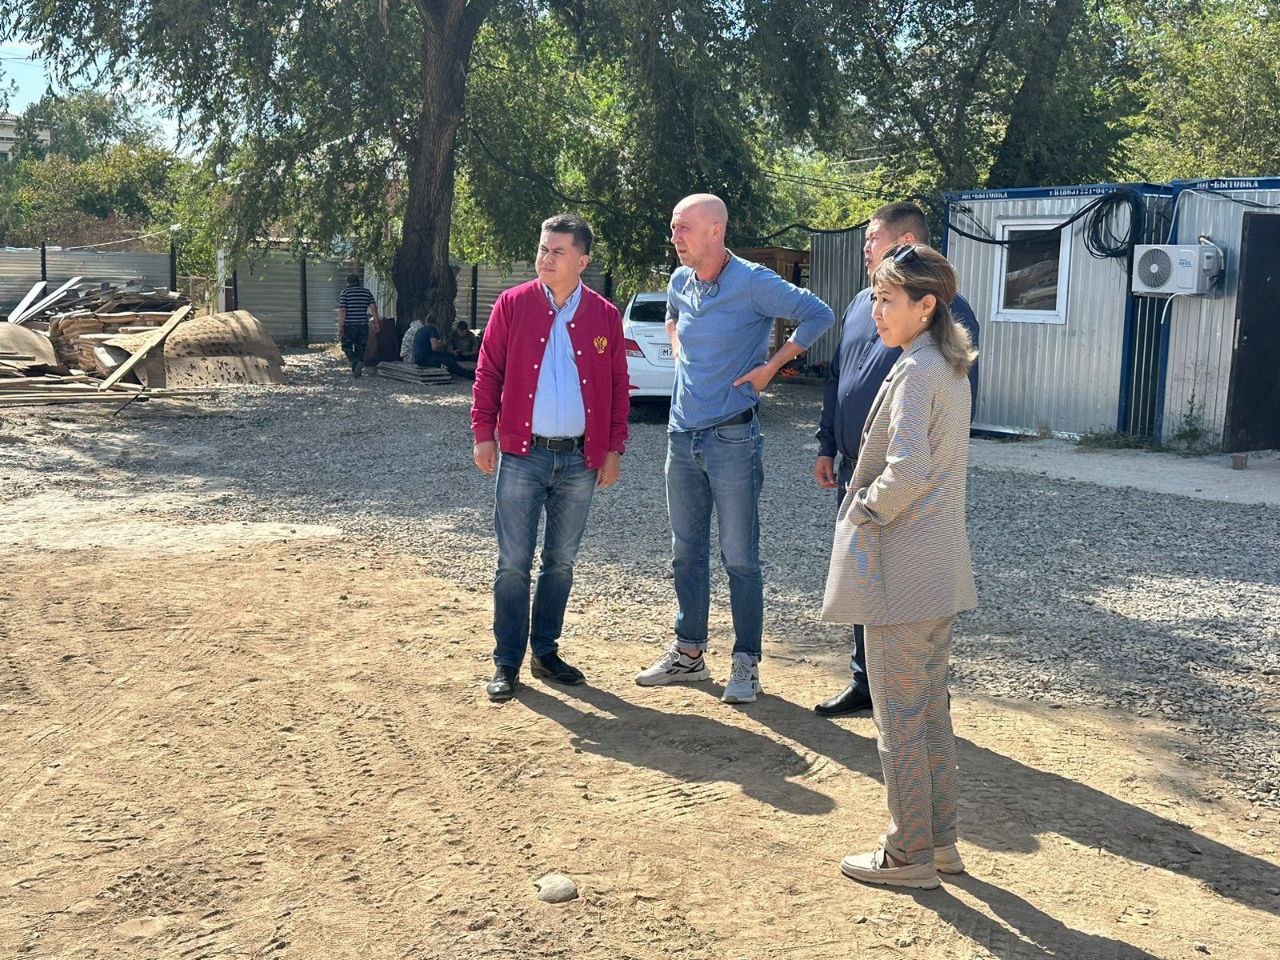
<point x="1016" y="163"/>
<point x="424" y="280"/>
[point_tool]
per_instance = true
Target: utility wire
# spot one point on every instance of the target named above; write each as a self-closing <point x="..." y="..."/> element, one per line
<point x="1101" y="238"/>
<point x="108" y="243"/>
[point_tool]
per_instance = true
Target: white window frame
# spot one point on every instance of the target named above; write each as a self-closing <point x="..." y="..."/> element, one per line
<point x="1058" y="315"/>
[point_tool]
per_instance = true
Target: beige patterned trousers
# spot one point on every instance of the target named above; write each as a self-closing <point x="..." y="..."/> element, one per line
<point x="907" y="666"/>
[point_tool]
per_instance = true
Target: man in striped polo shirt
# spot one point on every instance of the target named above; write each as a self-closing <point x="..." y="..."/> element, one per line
<point x="355" y="308"/>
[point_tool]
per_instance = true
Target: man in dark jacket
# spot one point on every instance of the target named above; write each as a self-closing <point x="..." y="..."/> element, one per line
<point x="853" y="380"/>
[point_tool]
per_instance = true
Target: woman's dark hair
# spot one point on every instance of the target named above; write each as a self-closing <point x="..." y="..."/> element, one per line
<point x="920" y="271"/>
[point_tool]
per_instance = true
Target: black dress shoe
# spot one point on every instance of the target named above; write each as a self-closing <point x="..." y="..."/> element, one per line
<point x="848" y="700"/>
<point x="503" y="685"/>
<point x="551" y="667"/>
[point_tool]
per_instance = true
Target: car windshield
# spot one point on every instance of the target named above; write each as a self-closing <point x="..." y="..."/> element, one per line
<point x="649" y="311"/>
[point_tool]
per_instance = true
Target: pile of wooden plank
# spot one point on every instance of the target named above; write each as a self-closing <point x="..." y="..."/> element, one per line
<point x="80" y="343"/>
<point x="83" y="320"/>
<point x="46" y="389"/>
<point x="412" y="373"/>
<point x="31" y="375"/>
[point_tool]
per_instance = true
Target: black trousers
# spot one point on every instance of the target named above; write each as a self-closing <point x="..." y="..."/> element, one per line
<point x="354" y="340"/>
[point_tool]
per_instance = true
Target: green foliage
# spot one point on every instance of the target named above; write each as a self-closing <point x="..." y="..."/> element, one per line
<point x="1113" y="439"/>
<point x="617" y="124"/>
<point x="81" y="125"/>
<point x="117" y="192"/>
<point x="104" y="177"/>
<point x="309" y="117"/>
<point x="1212" y="88"/>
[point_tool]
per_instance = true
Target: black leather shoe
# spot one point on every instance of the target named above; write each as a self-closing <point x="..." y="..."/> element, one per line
<point x="503" y="685"/>
<point x="551" y="667"/>
<point x="848" y="700"/>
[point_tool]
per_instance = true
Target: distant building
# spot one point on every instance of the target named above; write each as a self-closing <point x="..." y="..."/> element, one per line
<point x="9" y="136"/>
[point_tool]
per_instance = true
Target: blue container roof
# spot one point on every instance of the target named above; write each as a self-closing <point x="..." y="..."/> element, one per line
<point x="1229" y="183"/>
<point x="1032" y="193"/>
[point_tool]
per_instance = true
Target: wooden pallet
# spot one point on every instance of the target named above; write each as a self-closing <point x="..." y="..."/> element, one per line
<point x="412" y="373"/>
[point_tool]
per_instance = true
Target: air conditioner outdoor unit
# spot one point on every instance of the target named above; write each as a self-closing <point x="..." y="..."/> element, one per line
<point x="1162" y="270"/>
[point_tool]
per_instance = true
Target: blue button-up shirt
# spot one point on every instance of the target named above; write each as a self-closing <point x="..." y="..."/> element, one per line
<point x="557" y="403"/>
<point x="724" y="329"/>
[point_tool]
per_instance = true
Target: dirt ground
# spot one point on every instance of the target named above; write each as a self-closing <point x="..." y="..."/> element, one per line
<point x="256" y="740"/>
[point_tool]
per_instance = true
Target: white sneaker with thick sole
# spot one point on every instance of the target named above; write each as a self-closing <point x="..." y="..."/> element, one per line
<point x="673" y="667"/>
<point x="744" y="680"/>
<point x="872" y="868"/>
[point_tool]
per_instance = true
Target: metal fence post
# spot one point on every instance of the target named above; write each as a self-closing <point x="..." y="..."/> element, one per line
<point x="302" y="272"/>
<point x="475" y="291"/>
<point x="173" y="265"/>
<point x="44" y="263"/>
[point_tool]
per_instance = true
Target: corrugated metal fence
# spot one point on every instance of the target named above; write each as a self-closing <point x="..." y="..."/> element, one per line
<point x="20" y="268"/>
<point x="836" y="274"/>
<point x="270" y="286"/>
<point x="475" y="305"/>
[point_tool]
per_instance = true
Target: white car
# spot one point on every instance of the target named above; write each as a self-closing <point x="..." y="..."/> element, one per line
<point x="650" y="364"/>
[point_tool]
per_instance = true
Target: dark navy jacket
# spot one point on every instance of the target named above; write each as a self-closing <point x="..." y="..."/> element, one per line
<point x="856" y="372"/>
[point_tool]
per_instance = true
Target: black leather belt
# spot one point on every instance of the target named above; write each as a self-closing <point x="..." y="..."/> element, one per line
<point x="558" y="444"/>
<point x="746" y="416"/>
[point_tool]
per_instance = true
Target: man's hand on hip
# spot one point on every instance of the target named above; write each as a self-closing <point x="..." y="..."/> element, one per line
<point x="824" y="471"/>
<point x="610" y="470"/>
<point x="759" y="378"/>
<point x="486" y="456"/>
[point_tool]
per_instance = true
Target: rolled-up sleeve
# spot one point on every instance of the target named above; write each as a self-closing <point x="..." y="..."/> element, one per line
<point x="771" y="296"/>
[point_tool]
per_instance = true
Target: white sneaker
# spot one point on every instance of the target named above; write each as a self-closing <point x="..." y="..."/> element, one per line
<point x="744" y="680"/>
<point x="872" y="868"/>
<point x="673" y="667"/>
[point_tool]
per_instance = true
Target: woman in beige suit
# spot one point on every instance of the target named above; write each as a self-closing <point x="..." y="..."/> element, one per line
<point x="900" y="563"/>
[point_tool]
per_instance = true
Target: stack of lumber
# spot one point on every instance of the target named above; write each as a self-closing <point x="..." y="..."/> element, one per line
<point x="46" y="389"/>
<point x="83" y="321"/>
<point x="412" y="373"/>
<point x="104" y="299"/>
<point x="30" y="374"/>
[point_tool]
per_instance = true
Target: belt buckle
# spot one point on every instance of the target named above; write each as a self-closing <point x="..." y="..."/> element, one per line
<point x="559" y="444"/>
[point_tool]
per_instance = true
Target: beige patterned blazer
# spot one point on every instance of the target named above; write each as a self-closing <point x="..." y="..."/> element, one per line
<point x="901" y="552"/>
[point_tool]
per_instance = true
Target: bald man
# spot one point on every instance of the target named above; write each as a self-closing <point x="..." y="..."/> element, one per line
<point x="720" y="313"/>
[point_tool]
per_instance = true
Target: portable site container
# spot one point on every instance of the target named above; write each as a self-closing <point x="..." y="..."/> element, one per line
<point x="1220" y="361"/>
<point x="1065" y="347"/>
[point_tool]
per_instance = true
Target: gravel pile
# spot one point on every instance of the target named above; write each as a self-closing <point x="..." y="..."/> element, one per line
<point x="1151" y="604"/>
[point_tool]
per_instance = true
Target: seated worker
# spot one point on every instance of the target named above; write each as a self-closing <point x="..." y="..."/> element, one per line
<point x="406" y="342"/>
<point x="428" y="350"/>
<point x="463" y="344"/>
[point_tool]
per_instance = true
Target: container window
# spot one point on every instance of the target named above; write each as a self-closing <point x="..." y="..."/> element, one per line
<point x="1031" y="285"/>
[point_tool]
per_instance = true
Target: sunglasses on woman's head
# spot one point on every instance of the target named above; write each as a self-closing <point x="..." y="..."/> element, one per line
<point x="907" y="254"/>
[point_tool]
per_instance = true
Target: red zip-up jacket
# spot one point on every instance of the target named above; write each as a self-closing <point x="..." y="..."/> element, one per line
<point x="511" y="356"/>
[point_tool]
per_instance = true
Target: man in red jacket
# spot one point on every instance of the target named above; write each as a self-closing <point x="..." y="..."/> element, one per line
<point x="552" y="395"/>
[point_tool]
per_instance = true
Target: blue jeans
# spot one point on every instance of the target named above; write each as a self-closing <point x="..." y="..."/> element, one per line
<point x="722" y="468"/>
<point x="858" y="656"/>
<point x="560" y="486"/>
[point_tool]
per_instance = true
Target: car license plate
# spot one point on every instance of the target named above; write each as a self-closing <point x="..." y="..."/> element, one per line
<point x="665" y="353"/>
